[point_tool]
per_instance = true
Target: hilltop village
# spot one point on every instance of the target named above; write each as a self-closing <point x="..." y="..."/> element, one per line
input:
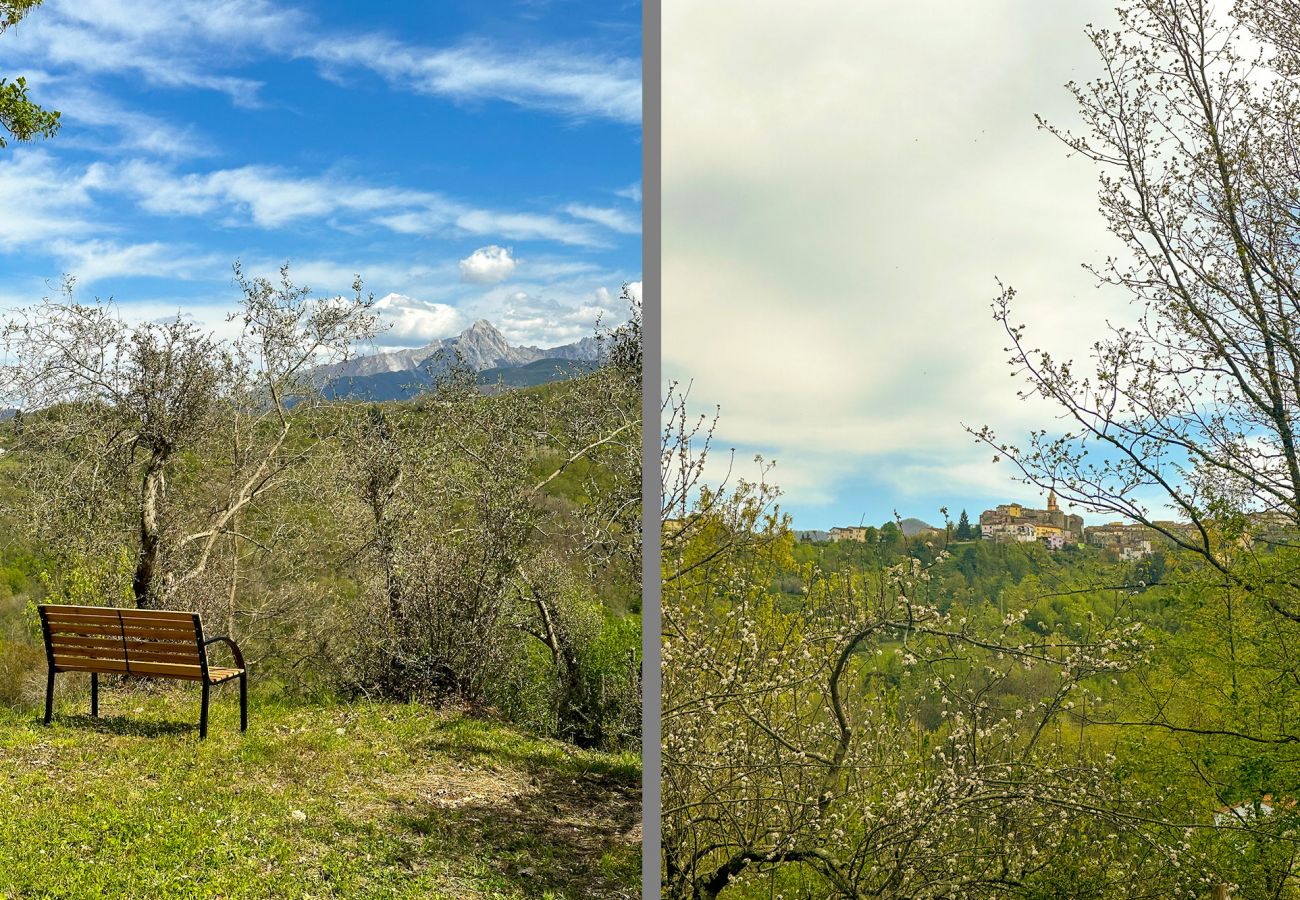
<point x="1009" y="523"/>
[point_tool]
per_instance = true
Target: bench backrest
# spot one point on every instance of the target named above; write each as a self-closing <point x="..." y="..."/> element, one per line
<point x="132" y="641"/>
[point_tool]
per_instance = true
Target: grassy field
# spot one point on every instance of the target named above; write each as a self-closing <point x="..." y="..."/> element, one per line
<point x="363" y="800"/>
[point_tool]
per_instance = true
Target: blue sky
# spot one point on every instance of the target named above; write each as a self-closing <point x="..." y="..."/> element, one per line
<point x="467" y="159"/>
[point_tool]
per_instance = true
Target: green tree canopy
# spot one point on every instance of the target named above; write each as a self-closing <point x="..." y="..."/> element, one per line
<point x="19" y="116"/>
<point x="964" y="532"/>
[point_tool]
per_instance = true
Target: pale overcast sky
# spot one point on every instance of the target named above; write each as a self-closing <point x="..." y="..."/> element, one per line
<point x="842" y="184"/>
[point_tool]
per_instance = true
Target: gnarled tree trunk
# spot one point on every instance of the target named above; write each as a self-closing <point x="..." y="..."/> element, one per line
<point x="146" y="567"/>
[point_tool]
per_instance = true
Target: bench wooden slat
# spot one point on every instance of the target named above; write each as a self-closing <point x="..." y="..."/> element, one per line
<point x="80" y="664"/>
<point x="113" y="612"/>
<point x="115" y="630"/>
<point x="185" y="673"/>
<point x="131" y="644"/>
<point x="190" y="657"/>
<point x="171" y="670"/>
<point x="115" y="622"/>
<point x="73" y="613"/>
<point x="100" y="637"/>
<point x="88" y="652"/>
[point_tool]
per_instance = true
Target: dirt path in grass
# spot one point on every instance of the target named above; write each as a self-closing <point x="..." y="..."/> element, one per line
<point x="574" y="835"/>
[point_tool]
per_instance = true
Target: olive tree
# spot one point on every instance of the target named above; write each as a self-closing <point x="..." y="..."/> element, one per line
<point x="156" y="441"/>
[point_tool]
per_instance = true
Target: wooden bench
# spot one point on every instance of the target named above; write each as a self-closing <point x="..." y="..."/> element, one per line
<point x="147" y="642"/>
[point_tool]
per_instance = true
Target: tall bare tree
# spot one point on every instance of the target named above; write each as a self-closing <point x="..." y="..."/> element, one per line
<point x="1194" y="126"/>
<point x="161" y="436"/>
<point x="1186" y="418"/>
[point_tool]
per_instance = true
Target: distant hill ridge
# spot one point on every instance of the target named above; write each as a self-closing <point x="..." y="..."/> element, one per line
<point x="401" y="374"/>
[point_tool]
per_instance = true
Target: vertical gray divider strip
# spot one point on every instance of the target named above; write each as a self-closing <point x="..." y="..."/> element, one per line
<point x="651" y="489"/>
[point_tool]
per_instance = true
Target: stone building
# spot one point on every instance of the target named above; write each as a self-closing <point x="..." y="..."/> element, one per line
<point x="1128" y="539"/>
<point x="1012" y="522"/>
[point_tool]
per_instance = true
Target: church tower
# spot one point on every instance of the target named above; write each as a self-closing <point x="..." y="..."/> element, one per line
<point x="1051" y="502"/>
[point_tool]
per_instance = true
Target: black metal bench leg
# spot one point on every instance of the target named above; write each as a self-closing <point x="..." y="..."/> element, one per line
<point x="49" y="696"/>
<point x="243" y="702"/>
<point x="94" y="694"/>
<point x="203" y="712"/>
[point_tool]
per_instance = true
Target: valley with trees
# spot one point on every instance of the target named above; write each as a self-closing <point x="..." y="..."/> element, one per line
<point x="921" y="718"/>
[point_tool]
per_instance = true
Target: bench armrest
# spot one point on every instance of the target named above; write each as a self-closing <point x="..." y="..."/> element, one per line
<point x="234" y="648"/>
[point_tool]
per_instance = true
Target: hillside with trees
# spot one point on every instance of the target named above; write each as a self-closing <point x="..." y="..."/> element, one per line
<point x="473" y="555"/>
<point x="903" y="719"/>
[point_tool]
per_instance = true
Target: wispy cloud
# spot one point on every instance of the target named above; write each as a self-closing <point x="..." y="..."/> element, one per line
<point x="525" y="226"/>
<point x="578" y="85"/>
<point x="96" y="260"/>
<point x="266" y="196"/>
<point x="193" y="43"/>
<point x="180" y="44"/>
<point x="132" y="130"/>
<point x="42" y="199"/>
<point x="270" y="197"/>
<point x="614" y="219"/>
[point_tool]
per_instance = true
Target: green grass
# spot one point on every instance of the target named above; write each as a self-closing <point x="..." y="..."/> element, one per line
<point x="362" y="800"/>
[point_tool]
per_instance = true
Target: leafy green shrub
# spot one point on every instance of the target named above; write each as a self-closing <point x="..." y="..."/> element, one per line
<point x="611" y="684"/>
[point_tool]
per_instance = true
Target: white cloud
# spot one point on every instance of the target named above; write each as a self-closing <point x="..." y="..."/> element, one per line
<point x="613" y="219"/>
<point x="192" y="43"/>
<point x="631" y="192"/>
<point x="41" y="199"/>
<point x="95" y="260"/>
<point x="180" y="44"/>
<point x="547" y="315"/>
<point x="271" y="197"/>
<point x="488" y="265"/>
<point x="407" y="321"/>
<point x="579" y="86"/>
<point x="382" y="275"/>
<point x="526" y="227"/>
<point x="81" y="104"/>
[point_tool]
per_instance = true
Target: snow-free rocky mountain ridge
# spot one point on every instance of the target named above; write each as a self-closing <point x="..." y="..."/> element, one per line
<point x="404" y="373"/>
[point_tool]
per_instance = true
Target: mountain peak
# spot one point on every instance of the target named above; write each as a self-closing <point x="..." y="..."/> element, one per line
<point x="481" y="346"/>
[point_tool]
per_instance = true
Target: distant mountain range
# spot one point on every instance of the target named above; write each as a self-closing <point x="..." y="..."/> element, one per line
<point x="405" y="373"/>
